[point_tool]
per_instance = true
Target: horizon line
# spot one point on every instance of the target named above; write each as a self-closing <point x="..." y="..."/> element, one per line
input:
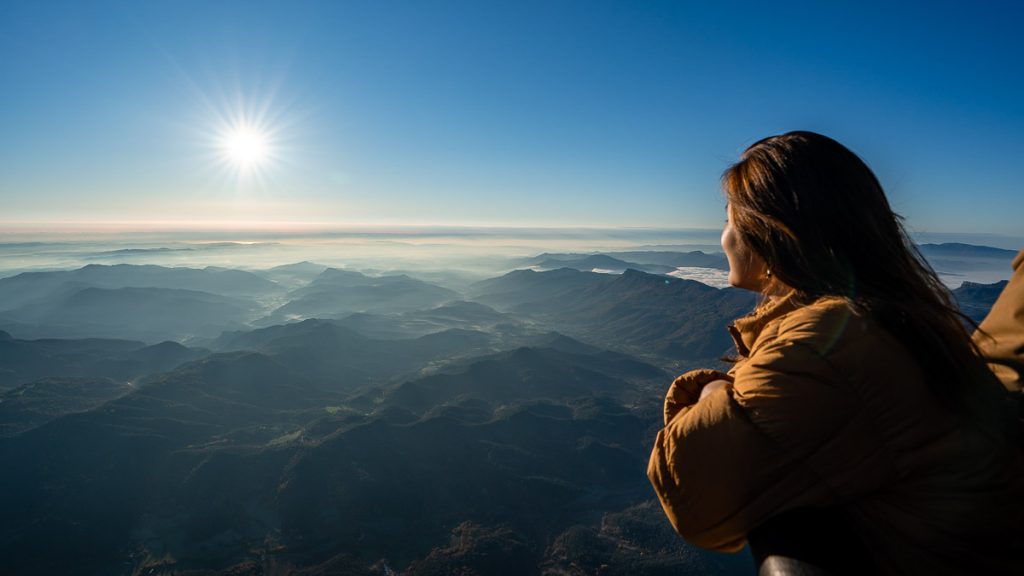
<point x="283" y="228"/>
<point x="325" y="226"/>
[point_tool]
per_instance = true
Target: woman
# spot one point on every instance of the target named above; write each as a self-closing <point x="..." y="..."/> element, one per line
<point x="857" y="390"/>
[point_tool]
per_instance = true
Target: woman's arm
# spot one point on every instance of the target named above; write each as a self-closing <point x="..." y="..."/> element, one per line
<point x="740" y="454"/>
<point x="688" y="388"/>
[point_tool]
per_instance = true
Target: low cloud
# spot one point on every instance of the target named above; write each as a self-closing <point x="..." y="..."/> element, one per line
<point x="709" y="276"/>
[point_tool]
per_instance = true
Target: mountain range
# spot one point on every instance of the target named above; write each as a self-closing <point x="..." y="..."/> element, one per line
<point x="337" y="422"/>
<point x="336" y="293"/>
<point x="23" y="288"/>
<point x="237" y="457"/>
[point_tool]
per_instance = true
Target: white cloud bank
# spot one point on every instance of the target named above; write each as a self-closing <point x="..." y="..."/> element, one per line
<point x="710" y="276"/>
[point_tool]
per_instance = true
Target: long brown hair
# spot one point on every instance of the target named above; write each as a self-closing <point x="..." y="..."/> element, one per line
<point x="818" y="216"/>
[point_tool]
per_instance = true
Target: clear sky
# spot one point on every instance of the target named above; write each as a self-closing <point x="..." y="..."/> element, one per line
<point x="522" y="113"/>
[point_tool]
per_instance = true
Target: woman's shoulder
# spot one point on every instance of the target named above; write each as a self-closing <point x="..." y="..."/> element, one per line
<point x="821" y="324"/>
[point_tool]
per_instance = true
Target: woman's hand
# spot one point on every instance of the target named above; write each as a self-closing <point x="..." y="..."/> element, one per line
<point x="712" y="386"/>
<point x="686" y="390"/>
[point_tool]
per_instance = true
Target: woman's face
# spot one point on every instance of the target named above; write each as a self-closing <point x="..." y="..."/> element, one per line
<point x="746" y="269"/>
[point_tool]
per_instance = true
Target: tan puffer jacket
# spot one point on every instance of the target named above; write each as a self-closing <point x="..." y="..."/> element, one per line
<point x="827" y="409"/>
<point x="1001" y="338"/>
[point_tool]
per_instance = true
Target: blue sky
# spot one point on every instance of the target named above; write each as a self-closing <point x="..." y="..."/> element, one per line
<point x="476" y="113"/>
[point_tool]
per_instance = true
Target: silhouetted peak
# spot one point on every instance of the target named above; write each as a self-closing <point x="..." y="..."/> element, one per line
<point x="525" y="354"/>
<point x="967" y="285"/>
<point x="961" y="249"/>
<point x="563" y="343"/>
<point x="332" y="273"/>
<point x="167" y="346"/>
<point x="305" y="266"/>
<point x="453" y="333"/>
<point x="464" y="306"/>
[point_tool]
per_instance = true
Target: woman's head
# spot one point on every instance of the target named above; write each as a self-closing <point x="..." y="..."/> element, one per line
<point x="805" y="213"/>
<point x="816" y="215"/>
<point x="747" y="269"/>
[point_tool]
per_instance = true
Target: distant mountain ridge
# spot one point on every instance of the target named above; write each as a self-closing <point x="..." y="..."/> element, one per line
<point x="22" y="288"/>
<point x="955" y="262"/>
<point x="970" y="250"/>
<point x="337" y="292"/>
<point x="603" y="262"/>
<point x="151" y="314"/>
<point x="647" y="261"/>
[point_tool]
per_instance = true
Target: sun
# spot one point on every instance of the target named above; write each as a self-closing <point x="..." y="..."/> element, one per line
<point x="245" y="146"/>
<point x="245" y="142"/>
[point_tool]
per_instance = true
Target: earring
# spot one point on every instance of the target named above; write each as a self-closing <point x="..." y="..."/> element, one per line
<point x="768" y="272"/>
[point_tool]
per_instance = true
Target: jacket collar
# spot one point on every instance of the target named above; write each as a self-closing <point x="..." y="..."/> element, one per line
<point x="745" y="330"/>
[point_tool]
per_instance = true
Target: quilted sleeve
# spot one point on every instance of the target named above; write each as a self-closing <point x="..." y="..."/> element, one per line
<point x="725" y="464"/>
<point x="685" y="390"/>
<point x="1001" y="334"/>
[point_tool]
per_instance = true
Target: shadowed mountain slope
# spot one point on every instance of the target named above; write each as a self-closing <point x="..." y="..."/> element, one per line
<point x="458" y="314"/>
<point x="238" y="457"/>
<point x="532" y="467"/>
<point x="109" y="466"/>
<point x="36" y="403"/>
<point x="23" y="361"/>
<point x="536" y="373"/>
<point x="975" y="300"/>
<point x="669" y="317"/>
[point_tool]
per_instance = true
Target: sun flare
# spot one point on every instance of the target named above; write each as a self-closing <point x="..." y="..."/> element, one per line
<point x="246" y="147"/>
<point x="244" y="142"/>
